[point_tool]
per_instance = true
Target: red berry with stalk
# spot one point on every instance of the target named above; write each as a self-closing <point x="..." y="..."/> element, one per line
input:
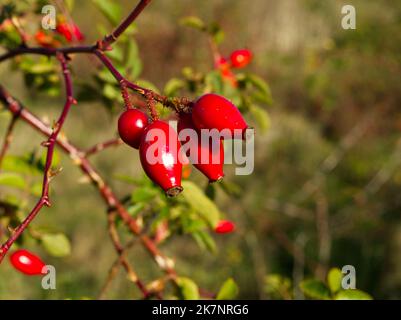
<point x="212" y="111"/>
<point x="206" y="159"/>
<point x="27" y="262"/>
<point x="225" y="226"/>
<point x="131" y="125"/>
<point x="240" y="58"/>
<point x="161" y="158"/>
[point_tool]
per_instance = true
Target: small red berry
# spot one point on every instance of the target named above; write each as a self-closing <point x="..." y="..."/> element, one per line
<point x="222" y="64"/>
<point x="211" y="168"/>
<point x="240" y="58"/>
<point x="161" y="159"/>
<point x="131" y="125"/>
<point x="224" y="226"/>
<point x="64" y="29"/>
<point x="27" y="262"/>
<point x="77" y="33"/>
<point x="212" y="111"/>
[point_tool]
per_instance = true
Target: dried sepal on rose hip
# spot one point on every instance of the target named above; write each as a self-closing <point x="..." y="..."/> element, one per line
<point x="212" y="111"/>
<point x="131" y="125"/>
<point x="27" y="262"/>
<point x="201" y="153"/>
<point x="225" y="226"/>
<point x="161" y="158"/>
<point x="240" y="58"/>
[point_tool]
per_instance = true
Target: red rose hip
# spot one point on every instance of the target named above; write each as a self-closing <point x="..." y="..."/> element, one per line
<point x="131" y="125"/>
<point x="225" y="226"/>
<point x="240" y="58"/>
<point x="208" y="160"/>
<point x="160" y="155"/>
<point x="27" y="263"/>
<point x="212" y="111"/>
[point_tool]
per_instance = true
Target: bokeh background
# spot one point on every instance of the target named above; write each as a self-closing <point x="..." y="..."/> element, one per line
<point x="326" y="187"/>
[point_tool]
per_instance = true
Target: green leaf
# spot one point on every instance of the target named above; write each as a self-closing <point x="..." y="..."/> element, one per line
<point x="134" y="63"/>
<point x="228" y="291"/>
<point x="277" y="286"/>
<point x="12" y="180"/>
<point x="315" y="289"/>
<point x="147" y="84"/>
<point x="204" y="241"/>
<point x="188" y="288"/>
<point x="261" y="117"/>
<point x="172" y="86"/>
<point x="144" y="194"/>
<point x="193" y="22"/>
<point x="110" y="9"/>
<point x="334" y="278"/>
<point x="263" y="89"/>
<point x="18" y="164"/>
<point x="200" y="203"/>
<point x="110" y="91"/>
<point x="57" y="244"/>
<point x="352" y="294"/>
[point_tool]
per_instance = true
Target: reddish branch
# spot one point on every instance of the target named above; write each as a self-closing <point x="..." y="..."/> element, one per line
<point x="8" y="137"/>
<point x="103" y="145"/>
<point x="103" y="188"/>
<point x="50" y="144"/>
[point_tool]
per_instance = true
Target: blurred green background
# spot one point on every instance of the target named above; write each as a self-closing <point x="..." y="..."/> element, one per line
<point x="326" y="187"/>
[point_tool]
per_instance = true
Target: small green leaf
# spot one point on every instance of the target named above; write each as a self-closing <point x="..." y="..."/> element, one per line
<point x="204" y="241"/>
<point x="57" y="244"/>
<point x="199" y="202"/>
<point x="352" y="294"/>
<point x="263" y="89"/>
<point x="12" y="180"/>
<point x="147" y="84"/>
<point x="228" y="291"/>
<point x="334" y="279"/>
<point x="188" y="288"/>
<point x="144" y="194"/>
<point x="193" y="22"/>
<point x="134" y="63"/>
<point x="315" y="289"/>
<point x="261" y="117"/>
<point x="172" y="86"/>
<point x="110" y="9"/>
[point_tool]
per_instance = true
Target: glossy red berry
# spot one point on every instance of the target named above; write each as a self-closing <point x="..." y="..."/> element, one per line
<point x="240" y="58"/>
<point x="160" y="154"/>
<point x="131" y="125"/>
<point x="208" y="160"/>
<point x="64" y="29"/>
<point x="212" y="111"/>
<point x="225" y="226"/>
<point x="27" y="262"/>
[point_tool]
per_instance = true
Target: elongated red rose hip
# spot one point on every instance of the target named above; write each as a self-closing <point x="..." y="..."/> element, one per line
<point x="212" y="111"/>
<point x="131" y="126"/>
<point x="208" y="160"/>
<point x="225" y="226"/>
<point x="27" y="262"/>
<point x="160" y="156"/>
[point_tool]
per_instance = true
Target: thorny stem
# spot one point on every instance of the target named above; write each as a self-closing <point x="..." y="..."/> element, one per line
<point x="132" y="276"/>
<point x="8" y="138"/>
<point x="50" y="144"/>
<point x="78" y="157"/>
<point x="103" y="145"/>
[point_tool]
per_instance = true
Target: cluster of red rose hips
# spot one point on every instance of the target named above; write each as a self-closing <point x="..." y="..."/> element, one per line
<point x="69" y="31"/>
<point x="210" y="111"/>
<point x="238" y="59"/>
